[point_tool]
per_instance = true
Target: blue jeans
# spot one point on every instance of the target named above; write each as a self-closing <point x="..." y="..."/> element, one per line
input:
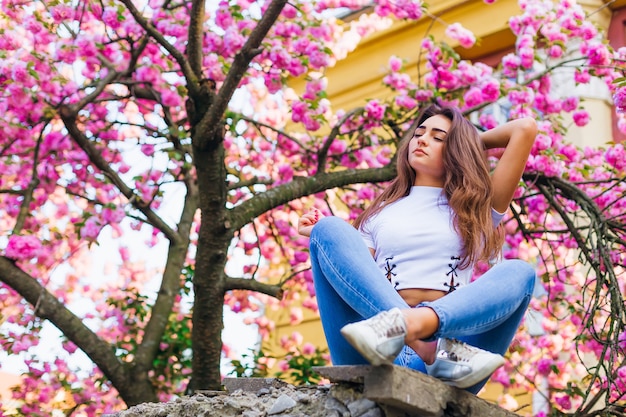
<point x="350" y="287"/>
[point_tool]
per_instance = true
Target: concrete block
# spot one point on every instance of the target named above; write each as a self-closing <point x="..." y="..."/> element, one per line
<point x="252" y="384"/>
<point x="414" y="393"/>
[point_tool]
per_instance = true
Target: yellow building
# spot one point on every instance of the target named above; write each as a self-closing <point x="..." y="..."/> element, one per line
<point x="490" y="25"/>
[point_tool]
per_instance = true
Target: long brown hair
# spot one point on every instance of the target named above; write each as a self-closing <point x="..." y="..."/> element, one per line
<point x="467" y="186"/>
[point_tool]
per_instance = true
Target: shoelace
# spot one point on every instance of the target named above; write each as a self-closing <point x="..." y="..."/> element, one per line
<point x="459" y="351"/>
<point x="381" y="326"/>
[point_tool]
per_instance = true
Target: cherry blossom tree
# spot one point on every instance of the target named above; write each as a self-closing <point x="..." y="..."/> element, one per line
<point x="174" y="125"/>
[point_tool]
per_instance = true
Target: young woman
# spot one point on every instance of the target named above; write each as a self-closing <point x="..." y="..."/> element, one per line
<point x="395" y="287"/>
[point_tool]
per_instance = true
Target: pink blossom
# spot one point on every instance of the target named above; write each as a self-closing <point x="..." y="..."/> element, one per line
<point x="581" y="76"/>
<point x="403" y="9"/>
<point x="289" y="11"/>
<point x="622" y="340"/>
<point x="296" y="316"/>
<point x="91" y="229"/>
<point x="223" y="17"/>
<point x="555" y="51"/>
<point x="20" y="73"/>
<point x="473" y="97"/>
<point x="375" y="110"/>
<point x="544" y="366"/>
<point x="308" y="349"/>
<point x="147" y="74"/>
<point x="597" y="53"/>
<point x="581" y="117"/>
<point x="124" y="253"/>
<point x="406" y="102"/>
<point x="147" y="149"/>
<point x="395" y="63"/>
<point x="279" y="56"/>
<point x="522" y="96"/>
<point x="570" y="152"/>
<point x="300" y="257"/>
<point x="70" y="347"/>
<point x="273" y="81"/>
<point x="502" y="376"/>
<point x="427" y="43"/>
<point x="285" y="172"/>
<point x="397" y="81"/>
<point x="295" y="67"/>
<point x="527" y="57"/>
<point x="564" y="401"/>
<point x="365" y="193"/>
<point x="457" y="32"/>
<point x="283" y="366"/>
<point x="487" y="121"/>
<point x="318" y="59"/>
<point x="616" y="156"/>
<point x="542" y="142"/>
<point x="511" y="62"/>
<point x="314" y="87"/>
<point x="310" y="123"/>
<point x="110" y="18"/>
<point x="233" y="40"/>
<point x="55" y="141"/>
<point x="62" y="13"/>
<point x="113" y="215"/>
<point x="301" y="45"/>
<point x="23" y="247"/>
<point x="569" y="104"/>
<point x="170" y="98"/>
<point x="621" y="123"/>
<point x="491" y="90"/>
<point x="619" y="99"/>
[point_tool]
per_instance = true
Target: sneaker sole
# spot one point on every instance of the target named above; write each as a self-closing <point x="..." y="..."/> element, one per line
<point x="372" y="356"/>
<point x="475" y="377"/>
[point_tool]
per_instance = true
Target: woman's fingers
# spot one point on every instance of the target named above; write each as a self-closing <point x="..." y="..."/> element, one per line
<point x="308" y="220"/>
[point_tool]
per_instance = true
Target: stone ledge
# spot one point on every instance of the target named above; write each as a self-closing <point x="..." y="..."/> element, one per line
<point x="252" y="384"/>
<point x="355" y="391"/>
<point x="412" y="393"/>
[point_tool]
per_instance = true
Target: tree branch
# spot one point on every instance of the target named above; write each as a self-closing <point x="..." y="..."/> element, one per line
<point x="280" y="132"/>
<point x="28" y="193"/>
<point x="170" y="284"/>
<point x="210" y="122"/>
<point x="249" y="183"/>
<point x="195" y="36"/>
<point x="49" y="308"/>
<point x="322" y="154"/>
<point x="304" y="186"/>
<point x="595" y="248"/>
<point x="190" y="75"/>
<point x="273" y="290"/>
<point x="69" y="119"/>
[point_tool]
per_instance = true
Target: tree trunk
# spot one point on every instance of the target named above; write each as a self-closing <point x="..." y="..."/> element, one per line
<point x="209" y="278"/>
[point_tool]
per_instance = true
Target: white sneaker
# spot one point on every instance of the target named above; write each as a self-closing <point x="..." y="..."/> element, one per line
<point x="462" y="365"/>
<point x="380" y="338"/>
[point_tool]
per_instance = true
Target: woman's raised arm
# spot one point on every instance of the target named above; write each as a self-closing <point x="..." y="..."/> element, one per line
<point x="517" y="138"/>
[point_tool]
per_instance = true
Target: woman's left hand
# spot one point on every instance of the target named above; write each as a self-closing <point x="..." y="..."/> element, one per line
<point x="308" y="220"/>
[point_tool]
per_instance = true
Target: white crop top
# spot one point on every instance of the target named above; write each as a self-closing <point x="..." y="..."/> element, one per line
<point x="415" y="243"/>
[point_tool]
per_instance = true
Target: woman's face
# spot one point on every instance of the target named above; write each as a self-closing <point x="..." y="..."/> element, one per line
<point x="426" y="150"/>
